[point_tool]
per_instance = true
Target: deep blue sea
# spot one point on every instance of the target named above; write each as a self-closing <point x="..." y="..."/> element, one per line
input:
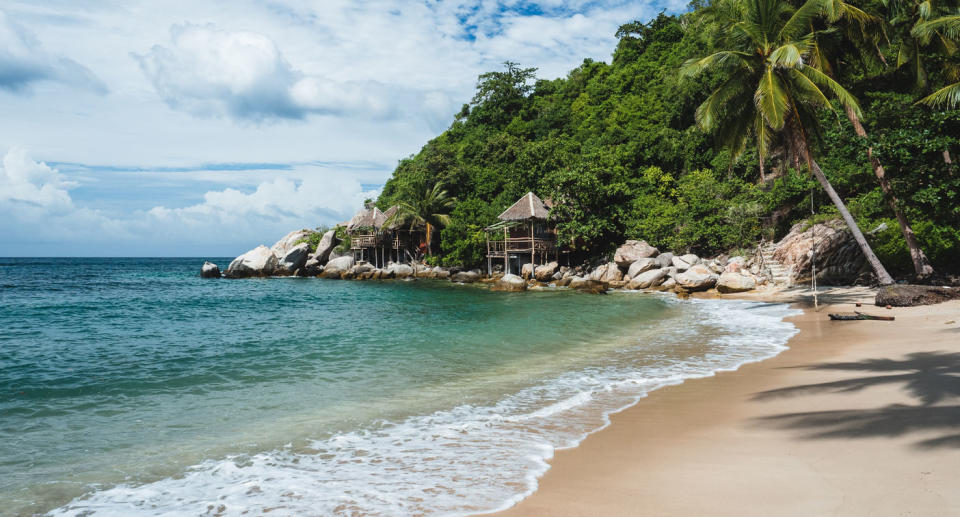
<point x="133" y="387"/>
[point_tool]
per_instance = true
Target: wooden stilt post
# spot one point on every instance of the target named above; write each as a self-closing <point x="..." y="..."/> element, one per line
<point x="506" y="255"/>
<point x="533" y="248"/>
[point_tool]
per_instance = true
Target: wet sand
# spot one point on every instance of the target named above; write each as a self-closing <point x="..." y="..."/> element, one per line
<point x="857" y="418"/>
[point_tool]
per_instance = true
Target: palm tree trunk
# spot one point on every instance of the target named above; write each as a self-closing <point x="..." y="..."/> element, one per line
<point x="882" y="276"/>
<point x="429" y="238"/>
<point x="921" y="264"/>
<point x="946" y="157"/>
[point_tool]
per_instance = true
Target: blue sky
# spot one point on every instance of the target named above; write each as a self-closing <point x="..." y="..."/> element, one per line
<point x="185" y="128"/>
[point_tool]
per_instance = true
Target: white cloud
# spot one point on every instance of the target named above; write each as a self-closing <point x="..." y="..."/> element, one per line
<point x="23" y="62"/>
<point x="35" y="184"/>
<point x="210" y="72"/>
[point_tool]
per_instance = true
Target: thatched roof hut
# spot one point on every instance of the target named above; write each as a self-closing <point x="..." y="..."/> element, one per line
<point x="528" y="207"/>
<point x="367" y="218"/>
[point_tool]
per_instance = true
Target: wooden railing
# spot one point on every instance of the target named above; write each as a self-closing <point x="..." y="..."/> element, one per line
<point x="520" y="245"/>
<point x="363" y="241"/>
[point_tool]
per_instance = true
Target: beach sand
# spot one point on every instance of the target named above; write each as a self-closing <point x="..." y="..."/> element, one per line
<point x="856" y="418"/>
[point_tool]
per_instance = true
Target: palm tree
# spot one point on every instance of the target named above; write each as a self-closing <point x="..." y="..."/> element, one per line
<point x="946" y="29"/>
<point x="860" y="35"/>
<point x="768" y="89"/>
<point x="429" y="207"/>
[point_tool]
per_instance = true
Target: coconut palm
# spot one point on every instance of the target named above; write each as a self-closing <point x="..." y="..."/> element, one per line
<point x="769" y="90"/>
<point x="945" y="29"/>
<point x="429" y="208"/>
<point x="860" y="34"/>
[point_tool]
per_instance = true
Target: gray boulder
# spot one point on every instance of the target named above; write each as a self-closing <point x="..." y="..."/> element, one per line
<point x="527" y="271"/>
<point x="647" y="279"/>
<point x="327" y="243"/>
<point x="609" y="272"/>
<point x="641" y="266"/>
<point x="546" y="272"/>
<point x="259" y="261"/>
<point x="664" y="259"/>
<point x="587" y="285"/>
<point x="209" y="270"/>
<point x="401" y="271"/>
<point x="510" y="283"/>
<point x="439" y="272"/>
<point x="697" y="278"/>
<point x="681" y="263"/>
<point x="465" y="277"/>
<point x="289" y="241"/>
<point x="669" y="283"/>
<point x="735" y="283"/>
<point x="295" y="258"/>
<point x="338" y="267"/>
<point x="631" y="251"/>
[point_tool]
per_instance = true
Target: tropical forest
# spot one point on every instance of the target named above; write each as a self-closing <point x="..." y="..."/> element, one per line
<point x="713" y="130"/>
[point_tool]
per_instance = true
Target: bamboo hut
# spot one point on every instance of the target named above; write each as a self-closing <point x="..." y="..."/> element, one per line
<point x="523" y="235"/>
<point x="376" y="238"/>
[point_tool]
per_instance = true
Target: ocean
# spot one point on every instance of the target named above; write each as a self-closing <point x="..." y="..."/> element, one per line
<point x="130" y="386"/>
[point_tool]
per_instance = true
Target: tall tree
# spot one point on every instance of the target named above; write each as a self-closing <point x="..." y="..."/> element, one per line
<point x="945" y="29"/>
<point x="427" y="207"/>
<point x="768" y="89"/>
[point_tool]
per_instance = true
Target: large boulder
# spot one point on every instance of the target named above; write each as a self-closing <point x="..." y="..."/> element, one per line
<point x="685" y="262"/>
<point x="697" y="278"/>
<point x="732" y="282"/>
<point x="294" y="259"/>
<point x="510" y="283"/>
<point x="526" y="271"/>
<point x="209" y="270"/>
<point x="911" y="295"/>
<point x="290" y="240"/>
<point x="587" y="285"/>
<point x="839" y="259"/>
<point x="259" y="261"/>
<point x="641" y="266"/>
<point x="312" y="267"/>
<point x="338" y="267"/>
<point x="609" y="272"/>
<point x="664" y="259"/>
<point x="465" y="277"/>
<point x="647" y="279"/>
<point x="327" y="243"/>
<point x="735" y="265"/>
<point x="631" y="251"/>
<point x="439" y="272"/>
<point x="401" y="271"/>
<point x="546" y="272"/>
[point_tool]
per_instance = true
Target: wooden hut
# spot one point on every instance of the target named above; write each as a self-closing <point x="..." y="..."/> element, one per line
<point x="374" y="237"/>
<point x="523" y="235"/>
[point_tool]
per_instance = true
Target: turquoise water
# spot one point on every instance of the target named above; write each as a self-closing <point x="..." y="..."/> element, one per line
<point x="133" y="387"/>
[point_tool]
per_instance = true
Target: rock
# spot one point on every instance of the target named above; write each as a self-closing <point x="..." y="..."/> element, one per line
<point x="680" y="264"/>
<point x="327" y="243"/>
<point x="715" y="267"/>
<point x="289" y="241"/>
<point x="259" y="261"/>
<point x="631" y="251"/>
<point x="401" y="271"/>
<point x="669" y="283"/>
<point x="510" y="283"/>
<point x="588" y="285"/>
<point x="311" y="267"/>
<point x="839" y="259"/>
<point x="335" y="253"/>
<point x="609" y="272"/>
<point x="439" y="272"/>
<point x="295" y="258"/>
<point x="336" y="268"/>
<point x="647" y="279"/>
<point x="209" y="270"/>
<point x="564" y="281"/>
<point x="906" y="295"/>
<point x="527" y="271"/>
<point x="423" y="271"/>
<point x="546" y="272"/>
<point x="732" y="282"/>
<point x="735" y="265"/>
<point x="360" y="271"/>
<point x="691" y="259"/>
<point x="641" y="266"/>
<point x="664" y="259"/>
<point x="466" y="277"/>
<point x="697" y="278"/>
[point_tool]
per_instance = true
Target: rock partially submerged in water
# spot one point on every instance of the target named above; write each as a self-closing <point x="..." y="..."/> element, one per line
<point x="209" y="270"/>
<point x="587" y="285"/>
<point x="609" y="272"/>
<point x="509" y="283"/>
<point x="259" y="261"/>
<point x="647" y="279"/>
<point x="906" y="295"/>
<point x="336" y="268"/>
<point x="465" y="277"/>
<point x="294" y="259"/>
<point x="697" y="278"/>
<point x="631" y="251"/>
<point x="546" y="272"/>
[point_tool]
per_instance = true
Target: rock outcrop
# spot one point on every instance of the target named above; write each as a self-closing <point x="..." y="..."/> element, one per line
<point x="336" y="268"/>
<point x="838" y="257"/>
<point x="641" y="266"/>
<point x="733" y="282"/>
<point x="647" y="279"/>
<point x="289" y="241"/>
<point x="209" y="270"/>
<point x="631" y="251"/>
<point x="905" y="295"/>
<point x="546" y="272"/>
<point x="510" y="283"/>
<point x="609" y="272"/>
<point x="294" y="259"/>
<point x="259" y="261"/>
<point x="465" y="277"/>
<point x="697" y="278"/>
<point x="587" y="285"/>
<point x="327" y="243"/>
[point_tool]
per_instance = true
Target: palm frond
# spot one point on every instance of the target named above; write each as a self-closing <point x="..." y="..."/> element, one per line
<point x="948" y="96"/>
<point x="823" y="80"/>
<point x="799" y="22"/>
<point x="786" y="56"/>
<point x="722" y="59"/>
<point x="948" y="26"/>
<point x="771" y="99"/>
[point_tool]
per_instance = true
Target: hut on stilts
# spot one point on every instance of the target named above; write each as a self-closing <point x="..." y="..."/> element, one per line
<point x="376" y="238"/>
<point x="523" y="235"/>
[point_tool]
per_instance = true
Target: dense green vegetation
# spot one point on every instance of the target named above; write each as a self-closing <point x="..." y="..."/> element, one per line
<point x="619" y="150"/>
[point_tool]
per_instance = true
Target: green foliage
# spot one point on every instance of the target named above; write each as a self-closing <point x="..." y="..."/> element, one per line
<point x="313" y="240"/>
<point x="344" y="238"/>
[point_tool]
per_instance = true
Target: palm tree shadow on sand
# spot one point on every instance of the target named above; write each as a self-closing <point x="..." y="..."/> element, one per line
<point x="931" y="378"/>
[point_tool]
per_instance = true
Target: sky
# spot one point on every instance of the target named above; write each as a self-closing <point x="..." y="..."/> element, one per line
<point x="203" y="129"/>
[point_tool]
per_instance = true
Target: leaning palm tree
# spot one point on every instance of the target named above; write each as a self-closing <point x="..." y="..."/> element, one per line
<point x="860" y="35"/>
<point x="429" y="208"/>
<point x="946" y="29"/>
<point x="768" y="89"/>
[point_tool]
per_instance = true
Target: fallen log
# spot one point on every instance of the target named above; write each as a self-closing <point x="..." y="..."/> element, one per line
<point x="859" y="316"/>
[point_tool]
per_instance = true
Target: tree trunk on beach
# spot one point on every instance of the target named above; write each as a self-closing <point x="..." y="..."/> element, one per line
<point x="882" y="276"/>
<point x="920" y="262"/>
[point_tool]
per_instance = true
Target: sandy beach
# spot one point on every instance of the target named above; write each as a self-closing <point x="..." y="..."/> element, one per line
<point x="856" y="418"/>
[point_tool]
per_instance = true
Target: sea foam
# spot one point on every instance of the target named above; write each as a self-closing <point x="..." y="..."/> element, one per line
<point x="464" y="460"/>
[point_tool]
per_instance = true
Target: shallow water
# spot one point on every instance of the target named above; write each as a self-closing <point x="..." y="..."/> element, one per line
<point x="133" y="387"/>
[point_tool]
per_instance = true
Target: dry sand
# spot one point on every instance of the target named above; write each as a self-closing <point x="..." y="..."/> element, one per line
<point x="856" y="418"/>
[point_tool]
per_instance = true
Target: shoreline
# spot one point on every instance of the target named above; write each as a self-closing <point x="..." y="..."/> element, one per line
<point x="813" y="430"/>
